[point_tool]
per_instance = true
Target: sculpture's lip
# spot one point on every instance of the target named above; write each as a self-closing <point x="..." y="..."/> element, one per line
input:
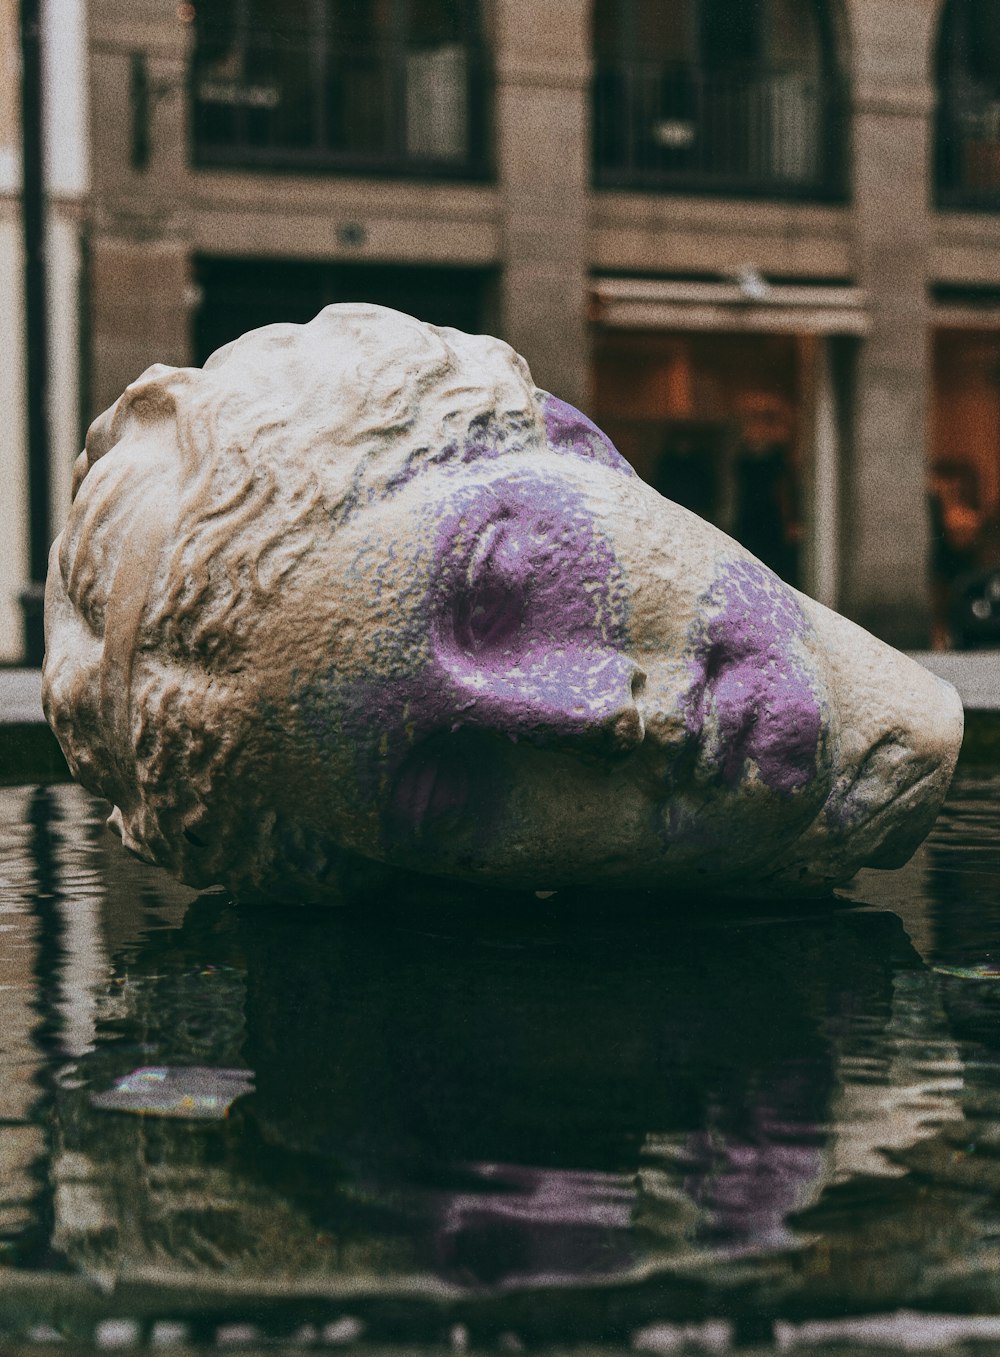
<point x="431" y="785"/>
<point x="444" y="785"/>
<point x="903" y="838"/>
<point x="900" y="780"/>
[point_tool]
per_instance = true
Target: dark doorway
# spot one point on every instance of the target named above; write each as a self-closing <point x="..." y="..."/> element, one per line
<point x="717" y="422"/>
<point x="242" y="294"/>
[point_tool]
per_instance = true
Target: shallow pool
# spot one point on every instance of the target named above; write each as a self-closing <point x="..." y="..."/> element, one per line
<point x="450" y="1117"/>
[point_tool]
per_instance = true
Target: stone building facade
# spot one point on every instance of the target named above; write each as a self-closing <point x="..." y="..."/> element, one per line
<point x="760" y="243"/>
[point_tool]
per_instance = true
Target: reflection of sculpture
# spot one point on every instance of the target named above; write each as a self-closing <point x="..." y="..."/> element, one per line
<point x="523" y="1099"/>
<point x="358" y="590"/>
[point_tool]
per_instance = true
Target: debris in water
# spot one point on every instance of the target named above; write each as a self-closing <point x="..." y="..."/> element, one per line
<point x="192" y="1091"/>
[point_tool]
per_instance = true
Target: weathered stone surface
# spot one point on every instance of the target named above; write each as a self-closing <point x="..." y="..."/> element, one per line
<point x="359" y="592"/>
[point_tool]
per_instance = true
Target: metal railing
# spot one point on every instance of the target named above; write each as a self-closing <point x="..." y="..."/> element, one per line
<point x="968" y="148"/>
<point x="270" y="100"/>
<point x="679" y="128"/>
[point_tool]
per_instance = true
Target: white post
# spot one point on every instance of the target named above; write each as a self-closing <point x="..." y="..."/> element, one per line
<point x="66" y="171"/>
<point x="825" y="584"/>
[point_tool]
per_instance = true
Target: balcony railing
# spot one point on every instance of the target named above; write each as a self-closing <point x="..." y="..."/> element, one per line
<point x="269" y="101"/>
<point x="763" y="133"/>
<point x="968" y="149"/>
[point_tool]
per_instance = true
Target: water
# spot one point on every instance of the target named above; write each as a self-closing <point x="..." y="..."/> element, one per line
<point x="463" y="1119"/>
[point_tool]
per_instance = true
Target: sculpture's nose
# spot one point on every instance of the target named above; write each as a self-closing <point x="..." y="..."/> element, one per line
<point x="569" y="698"/>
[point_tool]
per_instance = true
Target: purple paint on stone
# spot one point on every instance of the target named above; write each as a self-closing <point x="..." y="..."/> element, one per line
<point x="487" y="438"/>
<point x="570" y="431"/>
<point x="490" y="436"/>
<point x="529" y="613"/>
<point x="518" y="636"/>
<point x="755" y="699"/>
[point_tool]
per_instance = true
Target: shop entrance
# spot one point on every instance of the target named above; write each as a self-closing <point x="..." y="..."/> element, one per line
<point x="720" y="423"/>
<point x="237" y="295"/>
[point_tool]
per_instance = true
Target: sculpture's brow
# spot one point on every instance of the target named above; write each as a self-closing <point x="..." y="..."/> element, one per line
<point x="484" y="545"/>
<point x="487" y="438"/>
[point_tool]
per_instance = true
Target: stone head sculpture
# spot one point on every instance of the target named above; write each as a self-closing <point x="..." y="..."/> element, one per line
<point x="359" y="590"/>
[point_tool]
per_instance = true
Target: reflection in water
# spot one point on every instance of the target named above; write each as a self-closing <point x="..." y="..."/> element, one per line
<point x="545" y="1096"/>
<point x="664" y="1112"/>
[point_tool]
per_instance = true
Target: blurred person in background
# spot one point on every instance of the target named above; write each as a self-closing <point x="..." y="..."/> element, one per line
<point x="766" y="515"/>
<point x="956" y="530"/>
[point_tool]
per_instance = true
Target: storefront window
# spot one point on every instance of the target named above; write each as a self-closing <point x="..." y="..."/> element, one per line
<point x="964" y="488"/>
<point x="714" y="422"/>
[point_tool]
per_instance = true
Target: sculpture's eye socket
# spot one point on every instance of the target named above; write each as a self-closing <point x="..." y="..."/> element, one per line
<point x="488" y="613"/>
<point x="489" y="603"/>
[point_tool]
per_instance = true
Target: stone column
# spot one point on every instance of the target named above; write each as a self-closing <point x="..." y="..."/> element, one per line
<point x="139" y="257"/>
<point x="139" y="315"/>
<point x="543" y="167"/>
<point x="885" y="550"/>
<point x="824" y="418"/>
<point x="67" y="178"/>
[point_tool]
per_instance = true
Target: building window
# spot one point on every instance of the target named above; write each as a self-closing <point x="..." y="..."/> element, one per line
<point x="366" y="86"/>
<point x="718" y="96"/>
<point x="968" y="120"/>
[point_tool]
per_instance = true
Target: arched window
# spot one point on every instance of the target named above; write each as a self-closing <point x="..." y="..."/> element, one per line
<point x="718" y="96"/>
<point x="968" y="121"/>
<point x="397" y="86"/>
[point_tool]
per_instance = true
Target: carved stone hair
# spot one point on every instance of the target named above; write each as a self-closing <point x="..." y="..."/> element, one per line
<point x="220" y="482"/>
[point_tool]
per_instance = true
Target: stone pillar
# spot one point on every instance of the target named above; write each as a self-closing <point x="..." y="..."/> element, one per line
<point x="543" y="164"/>
<point x="139" y="312"/>
<point x="824" y="418"/>
<point x="67" y="183"/>
<point x="885" y="552"/>
<point x="140" y="285"/>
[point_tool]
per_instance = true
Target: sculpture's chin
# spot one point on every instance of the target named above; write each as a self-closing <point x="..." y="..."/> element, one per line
<point x="900" y="735"/>
<point x="911" y="797"/>
<point x="905" y="837"/>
